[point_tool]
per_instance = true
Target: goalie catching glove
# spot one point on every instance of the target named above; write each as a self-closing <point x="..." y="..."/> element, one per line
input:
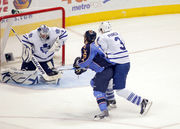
<point x="78" y="70"/>
<point x="60" y="40"/>
<point x="56" y="46"/>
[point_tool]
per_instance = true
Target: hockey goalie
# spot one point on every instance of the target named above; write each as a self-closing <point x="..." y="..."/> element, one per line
<point x="39" y="47"/>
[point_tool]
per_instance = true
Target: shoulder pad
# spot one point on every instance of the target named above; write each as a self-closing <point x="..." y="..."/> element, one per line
<point x="85" y="52"/>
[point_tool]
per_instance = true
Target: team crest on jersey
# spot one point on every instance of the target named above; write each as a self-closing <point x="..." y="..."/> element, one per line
<point x="45" y="48"/>
<point x="21" y="4"/>
<point x="30" y="35"/>
<point x="57" y="31"/>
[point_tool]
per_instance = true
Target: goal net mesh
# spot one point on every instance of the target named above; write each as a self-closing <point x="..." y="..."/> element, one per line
<point x="22" y="23"/>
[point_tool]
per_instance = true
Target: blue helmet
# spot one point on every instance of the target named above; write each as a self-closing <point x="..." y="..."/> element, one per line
<point x="89" y="36"/>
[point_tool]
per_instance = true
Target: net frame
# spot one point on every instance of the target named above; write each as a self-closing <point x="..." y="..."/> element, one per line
<point x="38" y="12"/>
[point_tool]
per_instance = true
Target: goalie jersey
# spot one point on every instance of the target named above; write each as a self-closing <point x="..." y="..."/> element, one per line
<point x="40" y="48"/>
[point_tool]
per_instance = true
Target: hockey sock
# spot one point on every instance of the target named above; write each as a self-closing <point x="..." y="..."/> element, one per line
<point x="101" y="100"/>
<point x="130" y="96"/>
<point x="110" y="94"/>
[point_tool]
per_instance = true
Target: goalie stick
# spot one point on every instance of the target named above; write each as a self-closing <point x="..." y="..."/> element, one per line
<point x="64" y="69"/>
<point x="38" y="66"/>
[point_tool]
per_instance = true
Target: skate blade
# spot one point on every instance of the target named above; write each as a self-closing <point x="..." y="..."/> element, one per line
<point x="110" y="107"/>
<point x="103" y="119"/>
<point x="147" y="108"/>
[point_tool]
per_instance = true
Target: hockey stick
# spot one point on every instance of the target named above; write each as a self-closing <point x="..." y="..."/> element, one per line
<point x="64" y="69"/>
<point x="38" y="66"/>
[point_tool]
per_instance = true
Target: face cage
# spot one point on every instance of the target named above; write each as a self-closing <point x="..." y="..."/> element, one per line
<point x="43" y="36"/>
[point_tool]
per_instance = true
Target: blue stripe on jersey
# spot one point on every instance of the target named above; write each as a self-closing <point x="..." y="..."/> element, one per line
<point x="62" y="35"/>
<point x="44" y="58"/>
<point x="25" y="37"/>
<point x="27" y="42"/>
<point x="116" y="53"/>
<point x="119" y="57"/>
<point x="26" y="46"/>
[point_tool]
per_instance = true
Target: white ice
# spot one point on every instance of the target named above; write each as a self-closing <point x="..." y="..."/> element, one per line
<point x="154" y="46"/>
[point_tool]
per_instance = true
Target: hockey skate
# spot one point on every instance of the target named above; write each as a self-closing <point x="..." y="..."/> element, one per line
<point x="103" y="115"/>
<point x="111" y="104"/>
<point x="145" y="106"/>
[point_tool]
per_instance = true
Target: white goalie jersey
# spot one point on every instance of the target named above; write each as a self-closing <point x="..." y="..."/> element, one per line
<point x="113" y="46"/>
<point x="41" y="49"/>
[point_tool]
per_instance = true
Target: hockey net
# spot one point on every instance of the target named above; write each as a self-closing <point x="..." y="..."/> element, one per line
<point x="22" y="23"/>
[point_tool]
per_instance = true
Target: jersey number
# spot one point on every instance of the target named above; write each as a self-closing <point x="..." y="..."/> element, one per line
<point x="118" y="39"/>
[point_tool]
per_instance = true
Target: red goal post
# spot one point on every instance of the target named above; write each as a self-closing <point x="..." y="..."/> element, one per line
<point x="41" y="11"/>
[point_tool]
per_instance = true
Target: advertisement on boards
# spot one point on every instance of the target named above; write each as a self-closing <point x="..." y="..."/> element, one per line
<point x="79" y="7"/>
<point x="21" y="4"/>
<point x="3" y="6"/>
<point x="7" y="5"/>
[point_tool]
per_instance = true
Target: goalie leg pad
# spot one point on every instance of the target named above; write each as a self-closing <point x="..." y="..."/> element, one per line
<point x="20" y="77"/>
<point x="28" y="66"/>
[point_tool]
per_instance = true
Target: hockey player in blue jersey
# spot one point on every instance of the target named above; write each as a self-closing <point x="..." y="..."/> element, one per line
<point x="94" y="59"/>
<point x="42" y="43"/>
<point x="114" y="46"/>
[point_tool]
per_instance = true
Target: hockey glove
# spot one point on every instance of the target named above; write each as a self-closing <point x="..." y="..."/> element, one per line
<point x="76" y="61"/>
<point x="56" y="46"/>
<point x="78" y="70"/>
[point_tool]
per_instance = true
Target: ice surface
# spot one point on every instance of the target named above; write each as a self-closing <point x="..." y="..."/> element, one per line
<point x="154" y="46"/>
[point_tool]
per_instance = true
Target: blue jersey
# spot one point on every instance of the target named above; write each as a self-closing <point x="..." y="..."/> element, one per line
<point x="93" y="58"/>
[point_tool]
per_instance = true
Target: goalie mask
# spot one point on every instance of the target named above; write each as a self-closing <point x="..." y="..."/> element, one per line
<point x="105" y="27"/>
<point x="43" y="31"/>
<point x="89" y="36"/>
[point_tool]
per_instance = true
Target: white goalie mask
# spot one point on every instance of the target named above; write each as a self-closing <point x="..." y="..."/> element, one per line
<point x="43" y="31"/>
<point x="105" y="27"/>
